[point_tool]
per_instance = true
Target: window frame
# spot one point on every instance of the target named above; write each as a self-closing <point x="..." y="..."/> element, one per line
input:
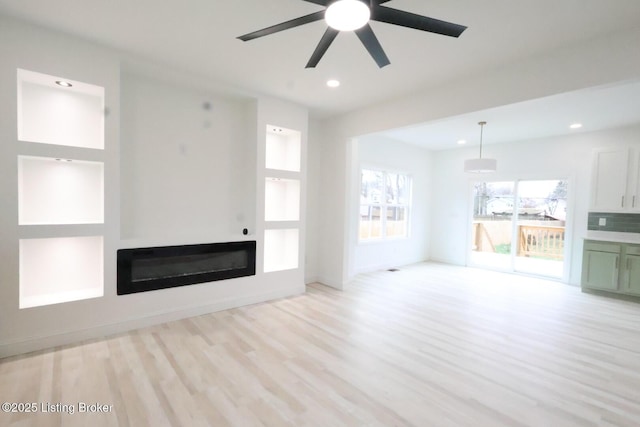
<point x="384" y="206"/>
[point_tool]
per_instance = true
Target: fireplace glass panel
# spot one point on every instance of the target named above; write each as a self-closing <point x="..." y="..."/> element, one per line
<point x="147" y="269"/>
<point x="185" y="265"/>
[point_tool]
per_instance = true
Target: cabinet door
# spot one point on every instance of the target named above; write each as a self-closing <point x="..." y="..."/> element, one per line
<point x="632" y="274"/>
<point x="610" y="180"/>
<point x="600" y="270"/>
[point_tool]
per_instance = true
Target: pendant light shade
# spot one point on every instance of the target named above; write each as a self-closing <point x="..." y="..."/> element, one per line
<point x="480" y="165"/>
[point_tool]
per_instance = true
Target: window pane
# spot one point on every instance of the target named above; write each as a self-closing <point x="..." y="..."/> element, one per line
<point x="370" y="222"/>
<point x="365" y="222"/>
<point x="492" y="216"/>
<point x="371" y="189"/>
<point x="384" y="205"/>
<point x="376" y="222"/>
<point x="397" y="189"/>
<point x="396" y="221"/>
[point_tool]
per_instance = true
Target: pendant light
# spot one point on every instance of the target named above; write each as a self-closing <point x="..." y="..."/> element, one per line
<point x="480" y="165"/>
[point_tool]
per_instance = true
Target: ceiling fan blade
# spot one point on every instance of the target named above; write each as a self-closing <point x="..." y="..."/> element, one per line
<point x="418" y="22"/>
<point x="326" y="2"/>
<point x="370" y="41"/>
<point x="316" y="16"/>
<point x="326" y="40"/>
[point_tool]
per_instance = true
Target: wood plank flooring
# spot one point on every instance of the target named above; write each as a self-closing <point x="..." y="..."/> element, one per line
<point x="429" y="345"/>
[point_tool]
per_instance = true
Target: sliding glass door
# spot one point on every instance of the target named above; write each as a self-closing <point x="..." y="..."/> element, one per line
<point x="520" y="226"/>
<point x="492" y="224"/>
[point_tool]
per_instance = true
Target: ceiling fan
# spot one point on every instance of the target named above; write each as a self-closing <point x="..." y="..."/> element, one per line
<point x="354" y="15"/>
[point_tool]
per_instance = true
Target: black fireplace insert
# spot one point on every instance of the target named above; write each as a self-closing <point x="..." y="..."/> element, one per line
<point x="148" y="269"/>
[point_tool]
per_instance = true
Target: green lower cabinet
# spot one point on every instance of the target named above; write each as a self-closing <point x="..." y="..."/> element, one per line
<point x="611" y="266"/>
<point x="632" y="274"/>
<point x="600" y="270"/>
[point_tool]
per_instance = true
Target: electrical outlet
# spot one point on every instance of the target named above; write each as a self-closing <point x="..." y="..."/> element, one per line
<point x="602" y="222"/>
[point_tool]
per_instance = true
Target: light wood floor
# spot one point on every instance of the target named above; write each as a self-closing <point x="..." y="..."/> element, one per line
<point x="430" y="345"/>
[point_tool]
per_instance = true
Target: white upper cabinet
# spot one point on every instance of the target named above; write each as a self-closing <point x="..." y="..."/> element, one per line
<point x="615" y="183"/>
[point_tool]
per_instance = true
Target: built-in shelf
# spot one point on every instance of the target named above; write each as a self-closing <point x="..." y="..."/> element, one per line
<point x="60" y="191"/>
<point x="55" y="270"/>
<point x="281" y="249"/>
<point x="282" y="149"/>
<point x="282" y="199"/>
<point x="49" y="113"/>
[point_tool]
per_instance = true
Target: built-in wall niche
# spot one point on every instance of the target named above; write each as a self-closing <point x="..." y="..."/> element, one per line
<point x="56" y="110"/>
<point x="281" y="249"/>
<point x="282" y="149"/>
<point x="282" y="199"/>
<point x="60" y="191"/>
<point x="56" y="270"/>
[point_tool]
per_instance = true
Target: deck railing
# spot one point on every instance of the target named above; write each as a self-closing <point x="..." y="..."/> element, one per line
<point x="482" y="241"/>
<point x="541" y="241"/>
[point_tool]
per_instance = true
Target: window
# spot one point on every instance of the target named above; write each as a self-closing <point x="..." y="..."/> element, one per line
<point x="385" y="198"/>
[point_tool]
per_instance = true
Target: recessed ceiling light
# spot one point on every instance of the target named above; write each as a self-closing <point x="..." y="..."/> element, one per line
<point x="347" y="15"/>
<point x="462" y="142"/>
<point x="63" y="83"/>
<point x="576" y="126"/>
<point x="333" y="83"/>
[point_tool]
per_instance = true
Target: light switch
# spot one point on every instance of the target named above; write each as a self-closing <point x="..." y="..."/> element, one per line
<point x="602" y="222"/>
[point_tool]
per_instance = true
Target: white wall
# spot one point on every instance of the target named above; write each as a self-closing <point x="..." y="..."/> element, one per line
<point x="548" y="158"/>
<point x="568" y="68"/>
<point x="187" y="164"/>
<point x="314" y="202"/>
<point x="375" y="152"/>
<point x="169" y="152"/>
<point x="331" y="209"/>
<point x="33" y="49"/>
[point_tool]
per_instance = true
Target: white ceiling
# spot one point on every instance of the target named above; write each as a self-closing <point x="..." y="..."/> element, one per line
<point x="199" y="38"/>
<point x="596" y="109"/>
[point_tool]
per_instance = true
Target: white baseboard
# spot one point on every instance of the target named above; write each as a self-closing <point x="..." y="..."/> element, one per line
<point x="329" y="282"/>
<point x="311" y="279"/>
<point x="12" y="348"/>
<point x="445" y="261"/>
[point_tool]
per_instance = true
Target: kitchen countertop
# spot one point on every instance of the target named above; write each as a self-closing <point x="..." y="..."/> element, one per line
<point x="613" y="236"/>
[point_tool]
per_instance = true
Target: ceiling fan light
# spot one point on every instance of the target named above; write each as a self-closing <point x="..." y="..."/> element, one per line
<point x="347" y="15"/>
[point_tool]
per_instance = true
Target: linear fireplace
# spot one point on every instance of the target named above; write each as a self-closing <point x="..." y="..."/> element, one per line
<point x="148" y="269"/>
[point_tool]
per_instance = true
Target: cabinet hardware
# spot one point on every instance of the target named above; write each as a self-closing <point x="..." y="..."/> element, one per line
<point x="617" y="261"/>
<point x="628" y="261"/>
<point x="633" y="202"/>
<point x="622" y="203"/>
